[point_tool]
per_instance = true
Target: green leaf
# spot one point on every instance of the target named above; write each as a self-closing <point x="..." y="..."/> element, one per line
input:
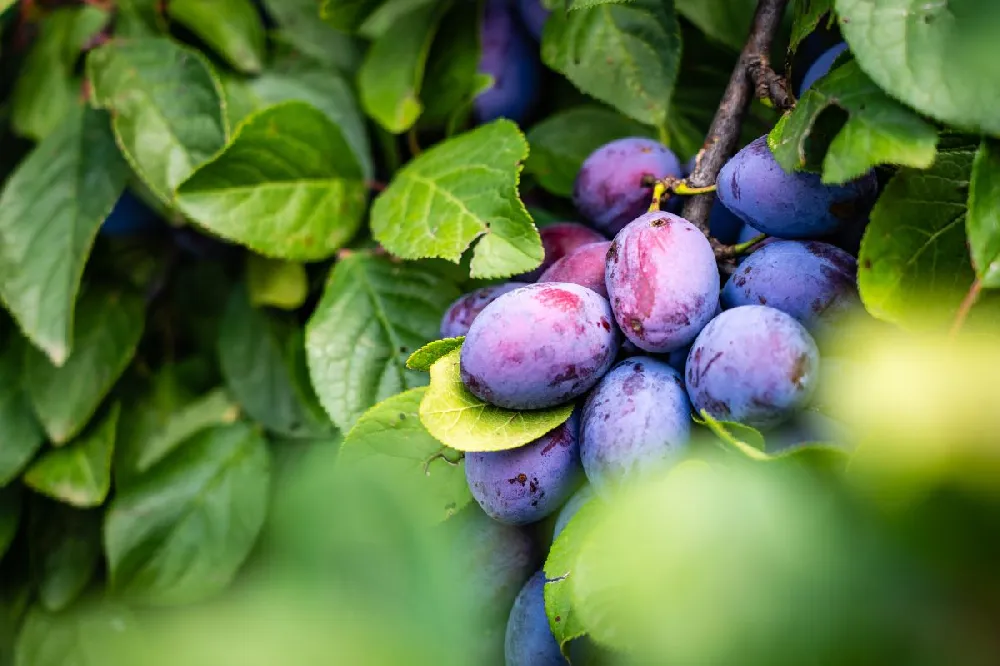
<point x="388" y="14"/>
<point x="65" y="545"/>
<point x="624" y="55"/>
<point x="263" y="362"/>
<point x="347" y="15"/>
<point x="572" y="5"/>
<point x="93" y="633"/>
<point x="391" y="445"/>
<point x="914" y="263"/>
<point x="465" y="423"/>
<point x="391" y="75"/>
<point x="426" y="356"/>
<point x="21" y="435"/>
<point x="373" y="314"/>
<point x="180" y="533"/>
<point x="452" y="80"/>
<point x="561" y="142"/>
<point x="560" y="570"/>
<point x="744" y="439"/>
<point x="48" y="87"/>
<point x="302" y="28"/>
<point x="725" y="21"/>
<point x="457" y="191"/>
<point x="983" y="222"/>
<point x="231" y="27"/>
<point x="806" y="17"/>
<point x="80" y="472"/>
<point x="937" y="57"/>
<point x="138" y="19"/>
<point x="287" y="186"/>
<point x="276" y="283"/>
<point x="879" y="130"/>
<point x="10" y="516"/>
<point x="109" y="325"/>
<point x="50" y="212"/>
<point x="168" y="108"/>
<point x="328" y="92"/>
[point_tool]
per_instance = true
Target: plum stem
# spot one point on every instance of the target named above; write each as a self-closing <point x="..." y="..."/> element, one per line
<point x="659" y="189"/>
<point x="742" y="248"/>
<point x="724" y="134"/>
<point x="963" y="310"/>
<point x="683" y="188"/>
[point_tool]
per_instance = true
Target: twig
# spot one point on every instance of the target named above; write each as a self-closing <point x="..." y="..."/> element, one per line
<point x="768" y="84"/>
<point x="963" y="310"/>
<point x="724" y="134"/>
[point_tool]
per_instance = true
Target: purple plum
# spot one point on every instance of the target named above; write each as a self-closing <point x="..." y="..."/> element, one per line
<point x="523" y="485"/>
<point x="610" y="190"/>
<point x="821" y="67"/>
<point x="534" y="15"/>
<point x="558" y="240"/>
<point x="636" y="419"/>
<point x="663" y="281"/>
<point x="510" y="57"/>
<point x="460" y="314"/>
<point x="572" y="505"/>
<point x="529" y="640"/>
<point x="130" y="216"/>
<point x="752" y="364"/>
<point x="583" y="266"/>
<point x="539" y="346"/>
<point x="790" y="205"/>
<point x="814" y="282"/>
<point x="723" y="224"/>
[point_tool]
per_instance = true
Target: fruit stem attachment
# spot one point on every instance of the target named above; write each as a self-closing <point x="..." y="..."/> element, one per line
<point x="742" y="248"/>
<point x="724" y="134"/>
<point x="659" y="189"/>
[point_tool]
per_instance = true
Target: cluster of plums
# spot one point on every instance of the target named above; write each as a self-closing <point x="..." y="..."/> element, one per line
<point x="642" y="331"/>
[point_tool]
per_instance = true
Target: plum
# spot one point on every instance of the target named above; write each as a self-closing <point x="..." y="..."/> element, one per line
<point x="812" y="281"/>
<point x="723" y="224"/>
<point x="662" y="280"/>
<point x="523" y="485"/>
<point x="533" y="15"/>
<point x="460" y="314"/>
<point x="822" y="66"/>
<point x="636" y="419"/>
<point x="129" y="216"/>
<point x="529" y="640"/>
<point x="752" y="364"/>
<point x="572" y="505"/>
<point x="610" y="190"/>
<point x="512" y="60"/>
<point x="558" y="240"/>
<point x="539" y="346"/>
<point x="583" y="266"/>
<point x="790" y="205"/>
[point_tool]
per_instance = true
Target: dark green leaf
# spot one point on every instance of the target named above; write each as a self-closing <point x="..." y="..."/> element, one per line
<point x="47" y="87"/>
<point x="937" y="57"/>
<point x="624" y="55"/>
<point x="461" y="189"/>
<point x="561" y="142"/>
<point x="138" y="18"/>
<point x="983" y="221"/>
<point x="388" y="14"/>
<point x="263" y="363"/>
<point x="303" y="29"/>
<point x="914" y="263"/>
<point x="10" y="516"/>
<point x="389" y="444"/>
<point x="426" y="356"/>
<point x="65" y="545"/>
<point x="21" y="435"/>
<point x="167" y="108"/>
<point x="806" y="18"/>
<point x="109" y="325"/>
<point x="373" y="314"/>
<point x="50" y="211"/>
<point x="452" y="79"/>
<point x="879" y="130"/>
<point x="287" y="186"/>
<point x="232" y="27"/>
<point x="80" y="472"/>
<point x="347" y="15"/>
<point x="391" y="75"/>
<point x="181" y="531"/>
<point x="15" y="596"/>
<point x="276" y="283"/>
<point x="725" y="21"/>
<point x="464" y="422"/>
<point x="93" y="633"/>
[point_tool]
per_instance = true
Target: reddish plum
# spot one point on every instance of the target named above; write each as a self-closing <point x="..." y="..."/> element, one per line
<point x="584" y="266"/>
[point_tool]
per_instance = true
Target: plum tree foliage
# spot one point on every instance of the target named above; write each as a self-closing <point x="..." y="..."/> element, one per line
<point x="498" y="331"/>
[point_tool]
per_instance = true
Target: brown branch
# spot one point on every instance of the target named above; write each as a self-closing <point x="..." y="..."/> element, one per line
<point x="724" y="134"/>
<point x="768" y="84"/>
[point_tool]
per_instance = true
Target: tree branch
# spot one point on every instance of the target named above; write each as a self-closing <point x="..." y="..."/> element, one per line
<point x="723" y="136"/>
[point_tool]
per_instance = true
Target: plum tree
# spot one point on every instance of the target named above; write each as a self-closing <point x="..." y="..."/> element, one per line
<point x="534" y="15"/>
<point x="460" y="314"/>
<point x="512" y="60"/>
<point x="539" y="346"/>
<point x="663" y="281"/>
<point x="822" y="66"/>
<point x="790" y="205"/>
<point x="523" y="485"/>
<point x="584" y="266"/>
<point x="752" y="364"/>
<point x="637" y="418"/>
<point x="529" y="640"/>
<point x="558" y="240"/>
<point x="812" y="281"/>
<point x="611" y="188"/>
